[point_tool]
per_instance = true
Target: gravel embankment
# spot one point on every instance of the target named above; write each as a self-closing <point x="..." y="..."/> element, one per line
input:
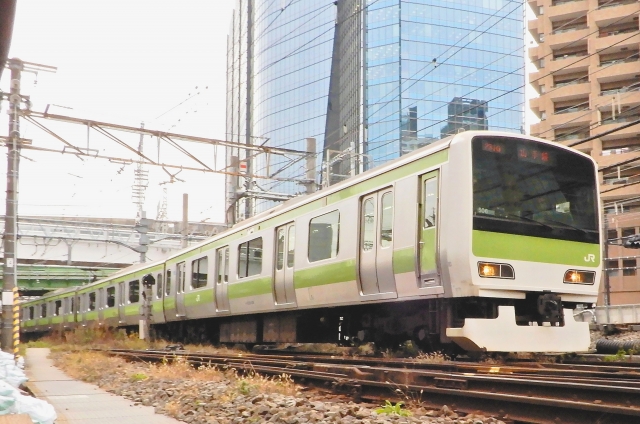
<point x="224" y="398"/>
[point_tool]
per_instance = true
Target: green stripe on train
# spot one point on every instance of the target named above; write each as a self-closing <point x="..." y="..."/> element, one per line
<point x="390" y="176"/>
<point x="404" y="260"/>
<point x="336" y="272"/>
<point x="536" y="249"/>
<point x="253" y="287"/>
<point x="199" y="297"/>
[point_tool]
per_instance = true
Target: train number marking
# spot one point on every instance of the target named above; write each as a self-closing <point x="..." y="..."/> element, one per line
<point x="590" y="258"/>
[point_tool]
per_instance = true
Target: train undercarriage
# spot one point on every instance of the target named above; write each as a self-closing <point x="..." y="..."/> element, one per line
<point x="388" y="325"/>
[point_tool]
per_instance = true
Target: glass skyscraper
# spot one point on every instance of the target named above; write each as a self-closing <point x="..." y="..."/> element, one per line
<point x="369" y="80"/>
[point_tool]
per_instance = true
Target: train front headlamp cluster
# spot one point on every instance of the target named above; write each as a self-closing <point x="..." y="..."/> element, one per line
<point x="494" y="270"/>
<point x="574" y="276"/>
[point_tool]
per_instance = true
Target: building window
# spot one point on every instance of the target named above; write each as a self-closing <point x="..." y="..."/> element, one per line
<point x="324" y="235"/>
<point x="111" y="297"/>
<point x="612" y="235"/>
<point x="628" y="232"/>
<point x="134" y="291"/>
<point x="250" y="258"/>
<point x="199" y="273"/>
<point x="612" y="268"/>
<point x="629" y="267"/>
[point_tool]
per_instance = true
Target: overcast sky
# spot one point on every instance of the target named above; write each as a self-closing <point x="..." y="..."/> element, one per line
<point x="125" y="62"/>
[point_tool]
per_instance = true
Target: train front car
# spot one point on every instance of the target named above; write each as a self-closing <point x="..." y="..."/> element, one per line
<point x="530" y="218"/>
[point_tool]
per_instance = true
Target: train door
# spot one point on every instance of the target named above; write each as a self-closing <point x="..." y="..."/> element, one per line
<point x="180" y="288"/>
<point x="376" y="243"/>
<point x="121" y="302"/>
<point x="222" y="279"/>
<point x="428" y="239"/>
<point x="283" y="272"/>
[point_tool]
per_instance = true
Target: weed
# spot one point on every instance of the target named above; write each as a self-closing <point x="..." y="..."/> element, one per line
<point x="390" y="409"/>
<point x="432" y="357"/>
<point x="619" y="356"/>
<point x="138" y="377"/>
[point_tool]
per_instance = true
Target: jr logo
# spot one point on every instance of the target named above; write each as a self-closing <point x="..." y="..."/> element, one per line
<point x="590" y="258"/>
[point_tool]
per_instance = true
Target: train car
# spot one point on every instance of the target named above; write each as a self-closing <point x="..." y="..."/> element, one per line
<point x="485" y="240"/>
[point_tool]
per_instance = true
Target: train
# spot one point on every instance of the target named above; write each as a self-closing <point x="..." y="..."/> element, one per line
<point x="482" y="241"/>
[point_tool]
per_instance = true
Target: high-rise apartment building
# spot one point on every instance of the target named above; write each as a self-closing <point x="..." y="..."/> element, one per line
<point x="370" y="80"/>
<point x="588" y="79"/>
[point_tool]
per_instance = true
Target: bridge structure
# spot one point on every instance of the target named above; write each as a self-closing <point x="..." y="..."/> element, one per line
<point x="57" y="252"/>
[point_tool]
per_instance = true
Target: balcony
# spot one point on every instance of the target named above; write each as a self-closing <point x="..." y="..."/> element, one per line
<point x="567" y="65"/>
<point x="569" y="91"/>
<point x="626" y="99"/>
<point x="532" y="26"/>
<point x="569" y="116"/>
<point x="611" y="12"/>
<point x="535" y="53"/>
<point x="616" y="42"/>
<point x="567" y="37"/>
<point x="608" y="125"/>
<point x="618" y="71"/>
<point x="561" y="11"/>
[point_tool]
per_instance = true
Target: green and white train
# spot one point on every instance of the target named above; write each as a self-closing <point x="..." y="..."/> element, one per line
<point x="484" y="240"/>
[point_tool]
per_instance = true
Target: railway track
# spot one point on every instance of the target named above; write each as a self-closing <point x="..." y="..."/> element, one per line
<point x="522" y="393"/>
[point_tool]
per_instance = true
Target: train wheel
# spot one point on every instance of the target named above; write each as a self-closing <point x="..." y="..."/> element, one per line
<point x="422" y="339"/>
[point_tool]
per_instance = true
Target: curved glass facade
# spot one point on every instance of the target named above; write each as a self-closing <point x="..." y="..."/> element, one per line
<point x="376" y="80"/>
<point x="436" y="66"/>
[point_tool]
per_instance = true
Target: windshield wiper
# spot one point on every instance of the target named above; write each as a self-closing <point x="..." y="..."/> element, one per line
<point x="524" y="218"/>
<point x="583" y="231"/>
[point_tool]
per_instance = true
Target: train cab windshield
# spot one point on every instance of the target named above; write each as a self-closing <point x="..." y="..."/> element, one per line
<point x="533" y="189"/>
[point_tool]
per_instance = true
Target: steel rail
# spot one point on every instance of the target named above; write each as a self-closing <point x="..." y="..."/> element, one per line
<point x="526" y="398"/>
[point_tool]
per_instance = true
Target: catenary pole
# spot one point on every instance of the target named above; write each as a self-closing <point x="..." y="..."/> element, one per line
<point x="9" y="274"/>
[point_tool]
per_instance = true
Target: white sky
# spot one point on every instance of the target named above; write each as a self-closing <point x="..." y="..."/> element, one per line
<point x="123" y="62"/>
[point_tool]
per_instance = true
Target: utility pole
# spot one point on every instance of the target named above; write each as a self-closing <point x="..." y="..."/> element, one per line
<point x="10" y="328"/>
<point x="9" y="275"/>
<point x="185" y="219"/>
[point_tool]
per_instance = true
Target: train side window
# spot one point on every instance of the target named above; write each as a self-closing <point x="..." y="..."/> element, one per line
<point x="92" y="301"/>
<point x="386" y="220"/>
<point x="222" y="265"/>
<point x="368" y="225"/>
<point x="291" y="245"/>
<point x="31" y="312"/>
<point x="111" y="297"/>
<point x="134" y="291"/>
<point x="159" y="286"/>
<point x="58" y="307"/>
<point x="250" y="258"/>
<point x="167" y="286"/>
<point x="73" y="305"/>
<point x="324" y="235"/>
<point x="180" y="277"/>
<point x="199" y="273"/>
<point x="430" y="203"/>
<point x="280" y="249"/>
<point x="43" y="310"/>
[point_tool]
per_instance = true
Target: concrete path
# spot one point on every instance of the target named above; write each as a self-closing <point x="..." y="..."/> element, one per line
<point x="82" y="403"/>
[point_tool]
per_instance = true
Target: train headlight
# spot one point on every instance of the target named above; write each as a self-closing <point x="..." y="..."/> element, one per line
<point x="493" y="270"/>
<point x="574" y="276"/>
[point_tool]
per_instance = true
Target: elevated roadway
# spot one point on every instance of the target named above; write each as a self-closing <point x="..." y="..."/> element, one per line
<point x="56" y="252"/>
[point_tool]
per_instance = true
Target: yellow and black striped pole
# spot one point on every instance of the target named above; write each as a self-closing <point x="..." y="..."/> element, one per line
<point x="16" y="325"/>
